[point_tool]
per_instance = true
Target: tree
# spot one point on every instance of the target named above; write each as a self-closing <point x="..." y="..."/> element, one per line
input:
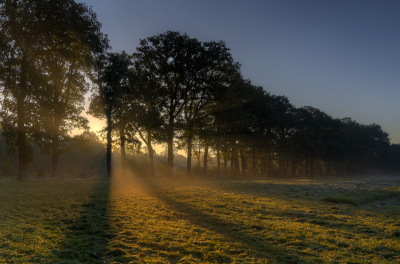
<point x="146" y="111"/>
<point x="312" y="136"/>
<point x="239" y="119"/>
<point x="61" y="103"/>
<point x="182" y="66"/>
<point x="35" y="34"/>
<point x="215" y="71"/>
<point x="365" y="146"/>
<point x="19" y="38"/>
<point x="111" y="99"/>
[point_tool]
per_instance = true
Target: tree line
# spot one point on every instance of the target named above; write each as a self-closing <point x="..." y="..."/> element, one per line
<point x="174" y="90"/>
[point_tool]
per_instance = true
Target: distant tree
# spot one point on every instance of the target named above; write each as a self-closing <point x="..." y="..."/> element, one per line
<point x="230" y="120"/>
<point x="365" y="146"/>
<point x="262" y="117"/>
<point x="234" y="120"/>
<point x="214" y="73"/>
<point x="311" y="138"/>
<point x="394" y="159"/>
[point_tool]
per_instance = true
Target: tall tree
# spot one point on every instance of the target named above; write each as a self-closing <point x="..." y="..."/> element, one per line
<point x="182" y="66"/>
<point x="146" y="110"/>
<point x="33" y="33"/>
<point x="61" y="103"/>
<point x="214" y="70"/>
<point x="20" y="37"/>
<point x="110" y="99"/>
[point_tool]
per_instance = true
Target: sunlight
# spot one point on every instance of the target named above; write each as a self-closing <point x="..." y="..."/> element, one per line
<point x="246" y="167"/>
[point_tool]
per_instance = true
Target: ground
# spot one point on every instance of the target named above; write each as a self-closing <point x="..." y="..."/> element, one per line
<point x="225" y="221"/>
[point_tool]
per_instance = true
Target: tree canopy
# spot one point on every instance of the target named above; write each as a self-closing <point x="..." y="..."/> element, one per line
<point x="46" y="46"/>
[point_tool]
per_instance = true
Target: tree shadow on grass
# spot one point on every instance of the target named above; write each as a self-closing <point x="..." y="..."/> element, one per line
<point x="87" y="237"/>
<point x="332" y="202"/>
<point x="323" y="193"/>
<point x="251" y="241"/>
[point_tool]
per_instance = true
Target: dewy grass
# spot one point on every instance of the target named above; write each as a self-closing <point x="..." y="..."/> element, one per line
<point x="339" y="200"/>
<point x="364" y="196"/>
<point x="133" y="221"/>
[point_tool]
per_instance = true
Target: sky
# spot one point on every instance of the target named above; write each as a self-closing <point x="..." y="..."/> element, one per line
<point x="342" y="57"/>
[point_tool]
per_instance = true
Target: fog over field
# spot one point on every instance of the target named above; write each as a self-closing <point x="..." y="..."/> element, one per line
<point x="199" y="132"/>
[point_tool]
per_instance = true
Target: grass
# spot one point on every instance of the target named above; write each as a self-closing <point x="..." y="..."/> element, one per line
<point x="133" y="221"/>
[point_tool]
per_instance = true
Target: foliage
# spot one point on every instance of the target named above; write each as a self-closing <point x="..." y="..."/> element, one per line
<point x="45" y="48"/>
<point x="110" y="99"/>
<point x="188" y="73"/>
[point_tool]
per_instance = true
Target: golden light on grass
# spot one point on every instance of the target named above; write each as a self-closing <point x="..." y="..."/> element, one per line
<point x="128" y="219"/>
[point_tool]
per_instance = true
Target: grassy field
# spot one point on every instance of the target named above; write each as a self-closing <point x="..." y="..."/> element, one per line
<point x="132" y="221"/>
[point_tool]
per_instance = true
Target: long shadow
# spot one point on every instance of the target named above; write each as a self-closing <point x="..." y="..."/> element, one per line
<point x="87" y="237"/>
<point x="290" y="192"/>
<point x="235" y="232"/>
<point x="309" y="192"/>
<point x="355" y="197"/>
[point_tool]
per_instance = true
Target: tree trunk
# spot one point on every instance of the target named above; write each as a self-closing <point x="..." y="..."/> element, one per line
<point x="237" y="165"/>
<point x="321" y="170"/>
<point x="305" y="168"/>
<point x="151" y="154"/>
<point x="109" y="144"/>
<point x="232" y="159"/>
<point x="244" y="163"/>
<point x="218" y="162"/>
<point x="312" y="167"/>
<point x="270" y="164"/>
<point x="254" y="168"/>
<point x="294" y="168"/>
<point x="170" y="141"/>
<point x="189" y="155"/>
<point x="283" y="160"/>
<point x="21" y="132"/>
<point x="123" y="156"/>
<point x="225" y="162"/>
<point x="205" y="160"/>
<point x="328" y="171"/>
<point x="21" y="141"/>
<point x="199" y="156"/>
<point x="287" y="167"/>
<point x="262" y="166"/>
<point x="55" y="129"/>
<point x="54" y="154"/>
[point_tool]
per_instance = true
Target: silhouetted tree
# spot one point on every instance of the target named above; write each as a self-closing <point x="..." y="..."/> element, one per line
<point x="32" y="33"/>
<point x="364" y="146"/>
<point x="183" y="67"/>
<point x="146" y="111"/>
<point x="110" y="99"/>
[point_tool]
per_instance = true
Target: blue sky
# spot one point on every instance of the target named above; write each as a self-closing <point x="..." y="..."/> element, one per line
<point x="342" y="57"/>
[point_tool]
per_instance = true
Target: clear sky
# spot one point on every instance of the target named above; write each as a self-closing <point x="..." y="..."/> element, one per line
<point x="342" y="56"/>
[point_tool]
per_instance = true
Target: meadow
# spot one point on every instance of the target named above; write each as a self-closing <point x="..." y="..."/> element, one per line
<point x="128" y="220"/>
